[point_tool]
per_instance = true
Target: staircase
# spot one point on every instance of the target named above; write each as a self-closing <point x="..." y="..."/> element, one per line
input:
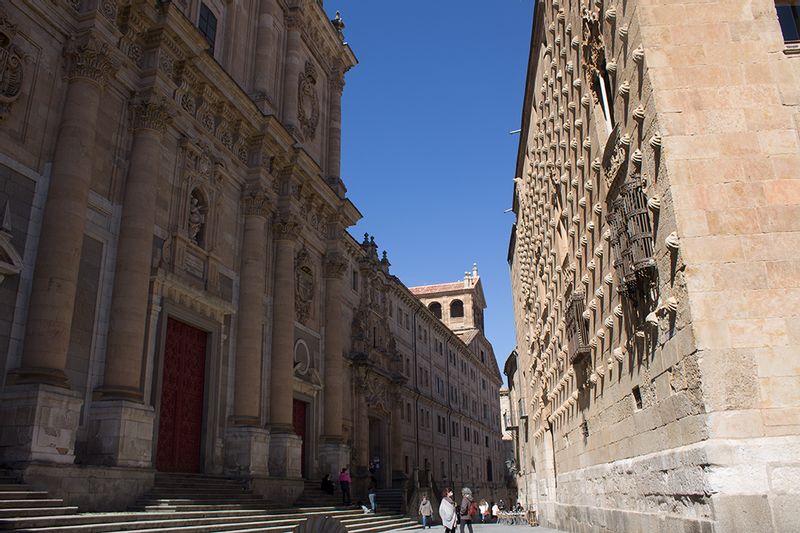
<point x="19" y="500"/>
<point x="180" y="503"/>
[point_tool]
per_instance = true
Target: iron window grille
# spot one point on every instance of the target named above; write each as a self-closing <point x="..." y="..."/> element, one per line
<point x="577" y="328"/>
<point x="632" y="236"/>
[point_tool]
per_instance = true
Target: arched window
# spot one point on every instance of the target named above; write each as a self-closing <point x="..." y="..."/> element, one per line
<point x="436" y="309"/>
<point x="456" y="309"/>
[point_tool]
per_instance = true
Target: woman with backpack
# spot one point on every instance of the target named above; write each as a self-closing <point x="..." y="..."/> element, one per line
<point x="467" y="509"/>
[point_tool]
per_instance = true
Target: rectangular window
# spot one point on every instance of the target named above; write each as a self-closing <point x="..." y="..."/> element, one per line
<point x="789" y="18"/>
<point x="208" y="26"/>
<point x="405" y="461"/>
<point x="355" y="280"/>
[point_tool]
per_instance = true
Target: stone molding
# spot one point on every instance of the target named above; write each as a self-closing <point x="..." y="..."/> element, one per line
<point x="308" y="102"/>
<point x="91" y="59"/>
<point x="150" y="113"/>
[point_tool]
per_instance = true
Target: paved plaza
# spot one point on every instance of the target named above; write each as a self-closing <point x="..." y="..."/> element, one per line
<point x="498" y="528"/>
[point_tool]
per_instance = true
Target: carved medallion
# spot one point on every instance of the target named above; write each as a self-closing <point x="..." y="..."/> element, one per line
<point x="308" y="102"/>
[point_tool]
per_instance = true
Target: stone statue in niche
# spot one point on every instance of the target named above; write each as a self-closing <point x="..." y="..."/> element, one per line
<point x="197" y="218"/>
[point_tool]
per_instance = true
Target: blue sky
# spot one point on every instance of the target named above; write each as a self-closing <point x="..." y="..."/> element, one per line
<point x="426" y="151"/>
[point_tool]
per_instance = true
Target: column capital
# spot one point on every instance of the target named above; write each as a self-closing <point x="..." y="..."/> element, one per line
<point x="335" y="265"/>
<point x="256" y="202"/>
<point x="150" y="112"/>
<point x="287" y="227"/>
<point x="90" y="58"/>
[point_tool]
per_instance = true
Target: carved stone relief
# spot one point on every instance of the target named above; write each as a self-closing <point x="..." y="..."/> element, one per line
<point x="11" y="70"/>
<point x="304" y="287"/>
<point x="308" y="102"/>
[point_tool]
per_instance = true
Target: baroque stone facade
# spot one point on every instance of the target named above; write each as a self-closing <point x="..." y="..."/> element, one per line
<point x="178" y="289"/>
<point x="655" y="385"/>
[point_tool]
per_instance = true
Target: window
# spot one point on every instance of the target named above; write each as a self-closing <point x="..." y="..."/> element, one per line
<point x="789" y="18"/>
<point x="405" y="461"/>
<point x="637" y="397"/>
<point x="355" y="280"/>
<point x="208" y="26"/>
<point x="436" y="309"/>
<point x="483" y="357"/>
<point x="456" y="309"/>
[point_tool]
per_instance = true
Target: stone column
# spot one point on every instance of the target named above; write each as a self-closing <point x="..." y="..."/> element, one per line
<point x="39" y="414"/>
<point x="293" y="67"/>
<point x="396" y="444"/>
<point x="335" y="88"/>
<point x="247" y="441"/>
<point x="334" y="454"/>
<point x="266" y="58"/>
<point x="284" y="456"/>
<point x="119" y="417"/>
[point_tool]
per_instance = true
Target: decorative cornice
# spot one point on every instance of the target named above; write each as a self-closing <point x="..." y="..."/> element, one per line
<point x="91" y="59"/>
<point x="150" y="113"/>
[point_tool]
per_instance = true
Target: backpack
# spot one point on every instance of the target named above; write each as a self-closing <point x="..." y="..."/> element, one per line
<point x="472" y="509"/>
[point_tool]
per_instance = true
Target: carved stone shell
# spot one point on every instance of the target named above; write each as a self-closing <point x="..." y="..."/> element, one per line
<point x="672" y="241"/>
<point x="320" y="524"/>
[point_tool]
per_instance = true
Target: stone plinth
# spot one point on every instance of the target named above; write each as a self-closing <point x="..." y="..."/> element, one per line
<point x="246" y="451"/>
<point x="333" y="456"/>
<point x="285" y="456"/>
<point x="278" y="490"/>
<point x="121" y="433"/>
<point x="39" y="423"/>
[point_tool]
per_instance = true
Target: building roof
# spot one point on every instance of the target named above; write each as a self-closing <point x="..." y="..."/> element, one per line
<point x="439" y="287"/>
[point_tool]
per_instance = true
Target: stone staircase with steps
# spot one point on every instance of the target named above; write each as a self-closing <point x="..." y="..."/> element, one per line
<point x="181" y="503"/>
<point x="20" y="500"/>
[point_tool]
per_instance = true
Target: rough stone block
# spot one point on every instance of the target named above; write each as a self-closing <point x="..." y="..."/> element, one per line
<point x="284" y="455"/>
<point x="246" y="451"/>
<point x="121" y="433"/>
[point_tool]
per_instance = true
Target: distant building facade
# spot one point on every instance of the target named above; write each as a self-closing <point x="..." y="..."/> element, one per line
<point x="654" y="267"/>
<point x="178" y="289"/>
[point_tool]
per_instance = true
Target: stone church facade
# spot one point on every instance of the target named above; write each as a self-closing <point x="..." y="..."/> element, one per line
<point x="179" y="292"/>
<point x="655" y="276"/>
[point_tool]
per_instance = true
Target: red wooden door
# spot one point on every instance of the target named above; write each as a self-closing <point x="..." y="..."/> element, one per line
<point x="180" y="423"/>
<point x="299" y="422"/>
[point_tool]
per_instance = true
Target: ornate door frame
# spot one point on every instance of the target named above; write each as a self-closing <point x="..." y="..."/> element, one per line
<point x="211" y="451"/>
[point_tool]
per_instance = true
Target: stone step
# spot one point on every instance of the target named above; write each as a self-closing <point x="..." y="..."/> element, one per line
<point x="111" y="522"/>
<point x="36" y="511"/>
<point x="22" y="494"/>
<point x="19" y="504"/>
<point x="14" y="486"/>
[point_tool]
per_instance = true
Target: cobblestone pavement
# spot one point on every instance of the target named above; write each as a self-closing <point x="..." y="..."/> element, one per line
<point x="495" y="528"/>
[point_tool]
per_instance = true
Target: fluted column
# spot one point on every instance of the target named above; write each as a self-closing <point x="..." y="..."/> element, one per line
<point x="247" y="441"/>
<point x="129" y="306"/>
<point x="89" y="67"/>
<point x="293" y="66"/>
<point x="335" y="267"/>
<point x="249" y="340"/>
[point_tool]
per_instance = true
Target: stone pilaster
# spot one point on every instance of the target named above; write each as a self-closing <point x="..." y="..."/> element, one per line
<point x="120" y="425"/>
<point x="396" y="444"/>
<point x="284" y="444"/>
<point x="335" y="267"/>
<point x="89" y="65"/>
<point x="247" y="442"/>
<point x="336" y="87"/>
<point x="150" y="116"/>
<point x="292" y="70"/>
<point x="267" y="47"/>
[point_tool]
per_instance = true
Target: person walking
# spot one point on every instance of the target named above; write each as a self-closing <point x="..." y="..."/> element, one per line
<point x="425" y="511"/>
<point x="448" y="512"/>
<point x="344" y="483"/>
<point x="372" y="492"/>
<point x="467" y="509"/>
